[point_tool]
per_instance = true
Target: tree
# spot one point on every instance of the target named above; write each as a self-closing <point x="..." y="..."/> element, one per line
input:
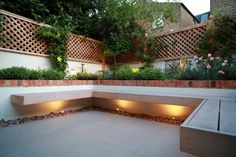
<point x="220" y="38"/>
<point x="119" y="23"/>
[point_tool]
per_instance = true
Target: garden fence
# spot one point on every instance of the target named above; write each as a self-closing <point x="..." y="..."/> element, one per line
<point x="174" y="45"/>
<point x="20" y="36"/>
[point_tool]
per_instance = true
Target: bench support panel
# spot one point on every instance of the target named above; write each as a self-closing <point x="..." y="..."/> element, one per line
<point x="206" y="143"/>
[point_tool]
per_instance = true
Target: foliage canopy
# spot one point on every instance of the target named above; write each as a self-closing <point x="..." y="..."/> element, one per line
<point x="220" y="38"/>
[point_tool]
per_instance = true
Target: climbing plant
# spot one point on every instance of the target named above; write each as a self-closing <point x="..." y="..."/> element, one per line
<point x="144" y="50"/>
<point x="57" y="36"/>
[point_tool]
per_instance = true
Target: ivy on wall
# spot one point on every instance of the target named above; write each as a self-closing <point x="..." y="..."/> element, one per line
<point x="57" y="36"/>
<point x="145" y="51"/>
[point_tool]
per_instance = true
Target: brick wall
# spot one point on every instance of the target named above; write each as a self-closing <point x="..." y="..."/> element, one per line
<point x="223" y="6"/>
<point x="150" y="83"/>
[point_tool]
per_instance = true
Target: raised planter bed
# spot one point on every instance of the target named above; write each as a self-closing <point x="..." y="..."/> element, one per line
<point x="226" y="84"/>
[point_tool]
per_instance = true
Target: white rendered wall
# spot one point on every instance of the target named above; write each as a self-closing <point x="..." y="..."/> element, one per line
<point x="9" y="59"/>
<point x="156" y="64"/>
<point x="159" y="64"/>
<point x="74" y="67"/>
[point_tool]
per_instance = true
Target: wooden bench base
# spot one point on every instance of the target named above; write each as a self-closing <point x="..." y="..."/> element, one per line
<point x="210" y="130"/>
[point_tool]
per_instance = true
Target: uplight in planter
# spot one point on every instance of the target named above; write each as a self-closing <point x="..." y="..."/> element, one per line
<point x="175" y="111"/>
<point x="123" y="103"/>
<point x="55" y="105"/>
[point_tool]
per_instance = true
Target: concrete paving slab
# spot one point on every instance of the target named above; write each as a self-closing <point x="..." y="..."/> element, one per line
<point x="91" y="134"/>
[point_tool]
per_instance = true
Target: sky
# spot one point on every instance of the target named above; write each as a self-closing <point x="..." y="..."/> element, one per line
<point x="195" y="6"/>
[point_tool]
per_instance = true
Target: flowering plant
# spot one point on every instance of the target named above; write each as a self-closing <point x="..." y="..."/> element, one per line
<point x="212" y="67"/>
<point x="135" y="70"/>
<point x="59" y="59"/>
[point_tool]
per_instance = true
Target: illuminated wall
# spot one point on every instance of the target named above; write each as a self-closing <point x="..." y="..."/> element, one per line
<point x="163" y="110"/>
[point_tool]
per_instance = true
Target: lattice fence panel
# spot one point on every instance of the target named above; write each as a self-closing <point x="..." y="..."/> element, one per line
<point x="20" y="35"/>
<point x="131" y="57"/>
<point x="178" y="44"/>
<point x="81" y="48"/>
<point x="174" y="45"/>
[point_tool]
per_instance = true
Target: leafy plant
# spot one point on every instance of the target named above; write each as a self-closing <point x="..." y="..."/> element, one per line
<point x="51" y="74"/>
<point x="18" y="73"/>
<point x="105" y="75"/>
<point x="119" y="26"/>
<point x="230" y="73"/>
<point x="57" y="36"/>
<point x="125" y="72"/>
<point x="220" y="38"/>
<point x="37" y="8"/>
<point x="149" y="74"/>
<point x="211" y="68"/>
<point x="85" y="76"/>
<point x="145" y="51"/>
<point x="22" y="73"/>
<point x="173" y="71"/>
<point x="191" y="74"/>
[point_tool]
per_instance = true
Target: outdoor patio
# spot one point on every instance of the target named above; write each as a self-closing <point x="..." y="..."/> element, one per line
<point x="90" y="134"/>
<point x="117" y="78"/>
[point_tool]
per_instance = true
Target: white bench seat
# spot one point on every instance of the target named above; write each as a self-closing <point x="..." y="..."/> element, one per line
<point x="211" y="129"/>
<point x="36" y="98"/>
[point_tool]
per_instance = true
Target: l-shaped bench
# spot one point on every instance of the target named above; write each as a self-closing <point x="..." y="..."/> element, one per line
<point x="209" y="131"/>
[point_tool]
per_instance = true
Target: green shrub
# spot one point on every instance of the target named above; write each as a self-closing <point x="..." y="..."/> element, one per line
<point x="105" y="75"/>
<point x="230" y="73"/>
<point x="22" y="73"/>
<point x="51" y="74"/>
<point x="86" y="76"/>
<point x="211" y="68"/>
<point x="34" y="74"/>
<point x="191" y="74"/>
<point x="173" y="71"/>
<point x="125" y="73"/>
<point x="220" y="38"/>
<point x="149" y="74"/>
<point x="72" y="77"/>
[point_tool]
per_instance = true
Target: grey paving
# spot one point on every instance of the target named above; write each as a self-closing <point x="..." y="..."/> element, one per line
<point x="91" y="134"/>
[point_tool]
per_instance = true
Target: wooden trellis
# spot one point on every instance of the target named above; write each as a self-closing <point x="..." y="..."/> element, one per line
<point x="20" y="36"/>
<point x="86" y="49"/>
<point x="131" y="57"/>
<point x="178" y="44"/>
<point x="174" y="45"/>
